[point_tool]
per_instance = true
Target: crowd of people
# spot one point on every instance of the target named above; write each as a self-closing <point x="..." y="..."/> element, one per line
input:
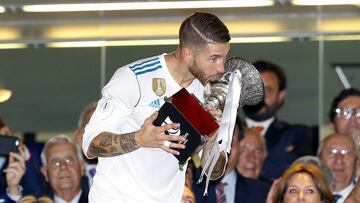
<point x="118" y="155"/>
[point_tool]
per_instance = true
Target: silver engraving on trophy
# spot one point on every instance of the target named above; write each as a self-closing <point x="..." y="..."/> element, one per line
<point x="252" y="86"/>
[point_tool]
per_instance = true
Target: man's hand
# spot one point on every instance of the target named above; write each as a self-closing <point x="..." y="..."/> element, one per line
<point x="108" y="144"/>
<point x="154" y="136"/>
<point x="15" y="171"/>
<point x="219" y="168"/>
<point x="216" y="113"/>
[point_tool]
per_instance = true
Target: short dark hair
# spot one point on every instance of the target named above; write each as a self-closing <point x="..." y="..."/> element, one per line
<point x="266" y="66"/>
<point x="200" y="29"/>
<point x="345" y="93"/>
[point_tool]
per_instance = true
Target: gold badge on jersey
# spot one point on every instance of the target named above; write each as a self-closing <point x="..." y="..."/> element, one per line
<point x="159" y="86"/>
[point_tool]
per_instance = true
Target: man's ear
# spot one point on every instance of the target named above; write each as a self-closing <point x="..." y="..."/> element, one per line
<point x="43" y="171"/>
<point x="188" y="55"/>
<point x="281" y="97"/>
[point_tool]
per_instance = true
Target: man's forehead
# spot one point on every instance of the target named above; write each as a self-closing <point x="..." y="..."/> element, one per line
<point x="250" y="141"/>
<point x="339" y="141"/>
<point x="59" y="146"/>
<point x="216" y="49"/>
<point x="351" y="101"/>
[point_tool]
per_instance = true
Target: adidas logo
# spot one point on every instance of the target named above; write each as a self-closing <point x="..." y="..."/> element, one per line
<point x="155" y="104"/>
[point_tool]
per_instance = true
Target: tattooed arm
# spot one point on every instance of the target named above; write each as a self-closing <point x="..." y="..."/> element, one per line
<point x="108" y="144"/>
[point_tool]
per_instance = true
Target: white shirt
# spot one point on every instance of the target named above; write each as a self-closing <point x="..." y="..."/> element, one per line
<point x="265" y="124"/>
<point x="345" y="192"/>
<point x="76" y="199"/>
<point x="230" y="180"/>
<point x="146" y="174"/>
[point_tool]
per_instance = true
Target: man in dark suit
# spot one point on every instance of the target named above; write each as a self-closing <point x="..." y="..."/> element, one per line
<point x="233" y="187"/>
<point x="247" y="190"/>
<point x="284" y="142"/>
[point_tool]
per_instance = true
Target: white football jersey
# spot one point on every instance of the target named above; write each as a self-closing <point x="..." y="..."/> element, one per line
<point x="146" y="175"/>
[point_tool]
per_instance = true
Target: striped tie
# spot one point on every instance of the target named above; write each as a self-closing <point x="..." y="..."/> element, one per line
<point x="336" y="197"/>
<point x="220" y="194"/>
<point x="92" y="172"/>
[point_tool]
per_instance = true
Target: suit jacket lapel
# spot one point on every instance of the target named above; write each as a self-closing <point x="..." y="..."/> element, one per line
<point x="241" y="190"/>
<point x="273" y="134"/>
<point x="83" y="198"/>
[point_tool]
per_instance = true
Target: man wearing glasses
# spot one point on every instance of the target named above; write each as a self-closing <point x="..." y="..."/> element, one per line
<point x="63" y="167"/>
<point x="339" y="153"/>
<point x="345" y="113"/>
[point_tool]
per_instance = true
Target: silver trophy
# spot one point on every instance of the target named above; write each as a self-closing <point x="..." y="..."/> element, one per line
<point x="252" y="86"/>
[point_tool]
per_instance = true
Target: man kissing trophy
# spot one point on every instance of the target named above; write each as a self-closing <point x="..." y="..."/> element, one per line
<point x="240" y="85"/>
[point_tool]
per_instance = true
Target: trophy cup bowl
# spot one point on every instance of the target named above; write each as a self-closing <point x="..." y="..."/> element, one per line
<point x="252" y="86"/>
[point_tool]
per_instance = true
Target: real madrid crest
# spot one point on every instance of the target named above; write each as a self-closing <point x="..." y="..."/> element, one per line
<point x="159" y="86"/>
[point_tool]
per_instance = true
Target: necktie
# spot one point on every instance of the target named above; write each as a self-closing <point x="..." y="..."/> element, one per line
<point x="92" y="172"/>
<point x="336" y="197"/>
<point x="220" y="193"/>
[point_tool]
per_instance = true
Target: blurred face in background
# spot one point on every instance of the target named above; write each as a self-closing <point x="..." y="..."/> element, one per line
<point x="273" y="94"/>
<point x="301" y="188"/>
<point x="347" y="118"/>
<point x="272" y="101"/>
<point x="64" y="169"/>
<point x="338" y="154"/>
<point x="251" y="154"/>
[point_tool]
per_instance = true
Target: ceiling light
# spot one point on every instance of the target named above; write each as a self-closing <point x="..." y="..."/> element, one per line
<point x="9" y="33"/>
<point x="258" y="39"/>
<point x="145" y="5"/>
<point x="13" y="46"/>
<point x="113" y="43"/>
<point x="150" y="30"/>
<point x="2" y="9"/>
<point x="5" y="95"/>
<point x="337" y="38"/>
<point x="143" y="42"/>
<point x="75" y="44"/>
<point x="151" y="42"/>
<point x="324" y="2"/>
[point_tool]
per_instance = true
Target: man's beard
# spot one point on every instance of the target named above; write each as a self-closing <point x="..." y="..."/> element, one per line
<point x="194" y="70"/>
<point x="253" y="112"/>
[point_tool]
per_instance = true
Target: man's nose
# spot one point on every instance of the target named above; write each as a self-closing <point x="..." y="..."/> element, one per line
<point x="221" y="68"/>
<point x="250" y="156"/>
<point x="339" y="158"/>
<point x="63" y="165"/>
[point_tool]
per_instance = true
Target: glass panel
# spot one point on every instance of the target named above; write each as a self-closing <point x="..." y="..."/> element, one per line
<point x="50" y="86"/>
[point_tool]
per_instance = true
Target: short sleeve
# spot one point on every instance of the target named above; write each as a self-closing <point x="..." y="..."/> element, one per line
<point x="119" y="98"/>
